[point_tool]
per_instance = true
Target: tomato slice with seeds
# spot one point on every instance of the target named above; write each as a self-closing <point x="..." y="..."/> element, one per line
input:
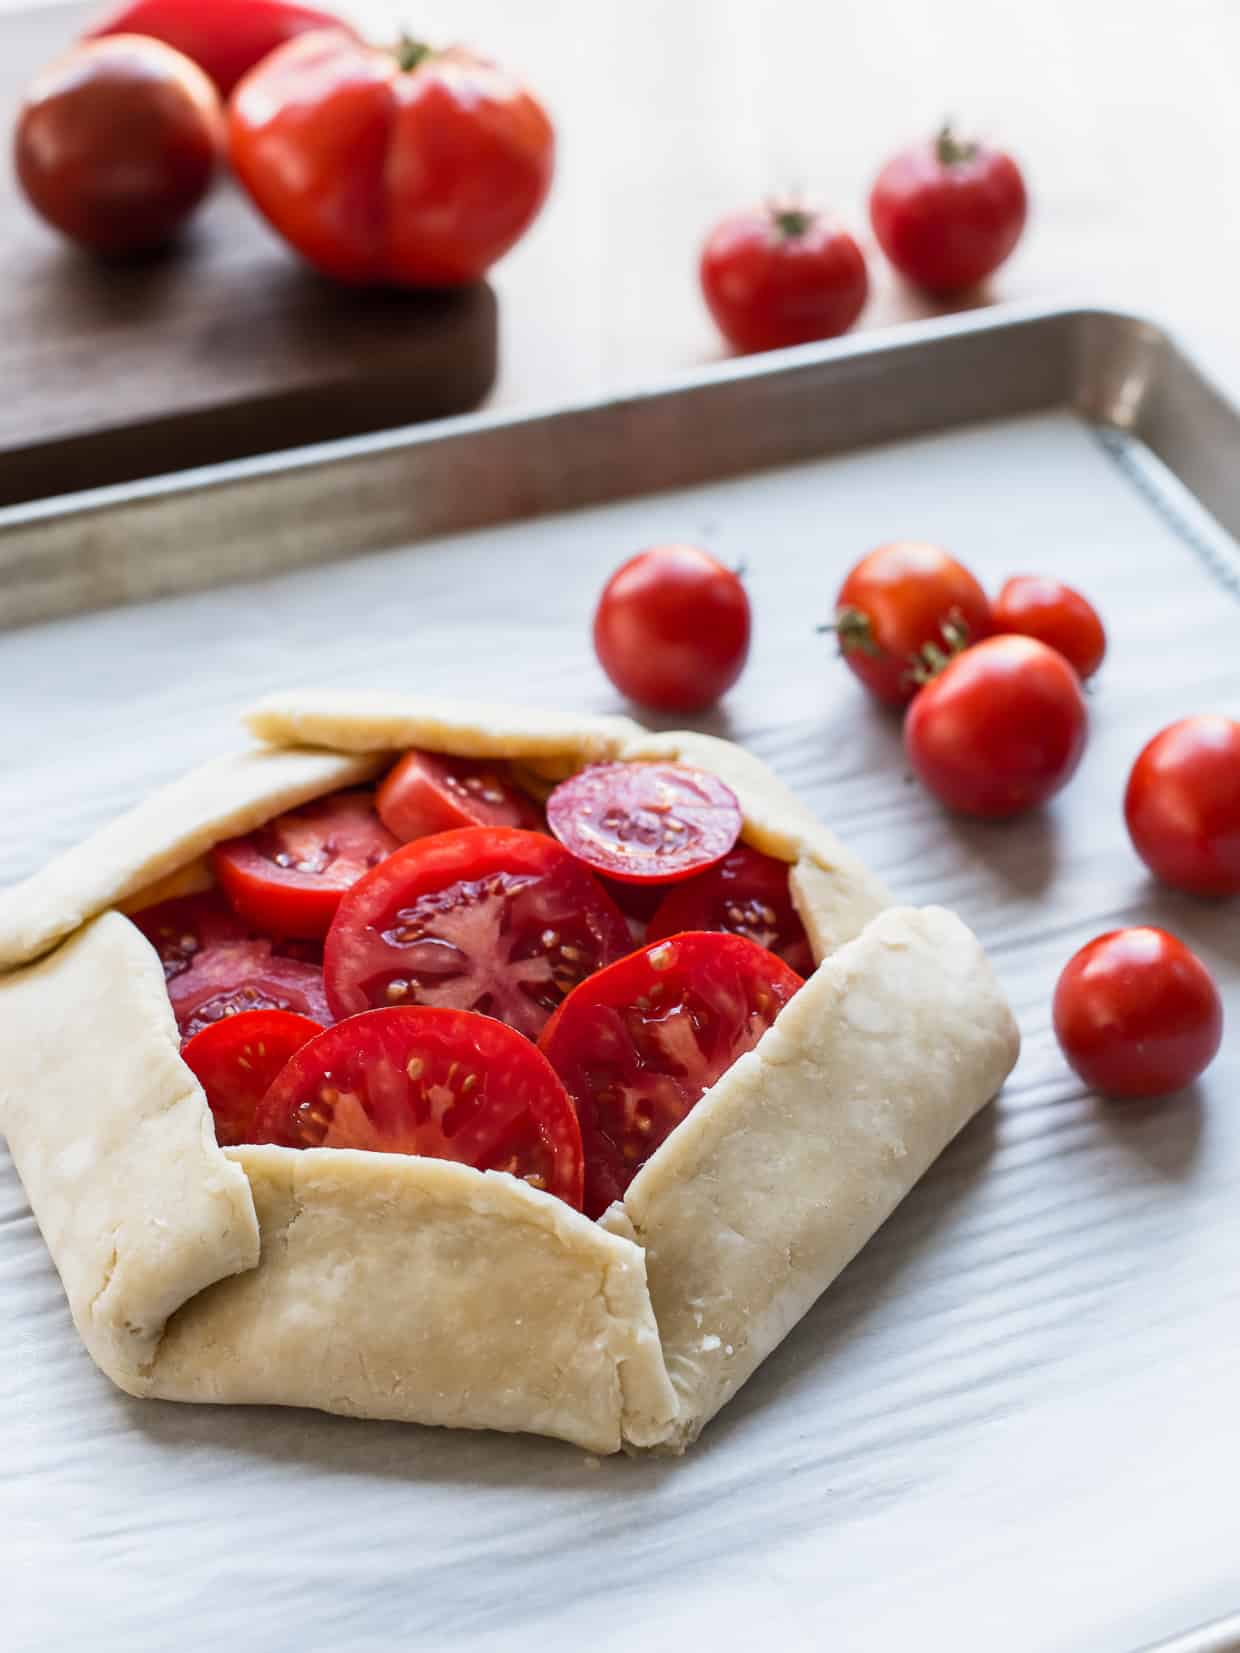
<point x="746" y="895"/>
<point x="638" y="1044"/>
<point x="236" y="1060"/>
<point x="288" y="876"/>
<point x="442" y="1083"/>
<point x="645" y="823"/>
<point x="490" y="919"/>
<point x="427" y="793"/>
<point x="181" y="929"/>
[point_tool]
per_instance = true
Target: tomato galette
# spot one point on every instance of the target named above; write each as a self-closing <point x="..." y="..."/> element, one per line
<point x="473" y="1067"/>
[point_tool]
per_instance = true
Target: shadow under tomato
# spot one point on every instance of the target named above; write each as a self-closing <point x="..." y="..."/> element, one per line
<point x="1024" y="854"/>
<point x="1166" y="1132"/>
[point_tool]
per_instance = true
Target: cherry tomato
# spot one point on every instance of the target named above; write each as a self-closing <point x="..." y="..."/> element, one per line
<point x="948" y="212"/>
<point x="645" y="823"/>
<point x="225" y="38"/>
<point x="896" y="604"/>
<point x="1033" y="606"/>
<point x="428" y="793"/>
<point x="1137" y="1014"/>
<point x="488" y="918"/>
<point x="288" y="876"/>
<point x="441" y="1083"/>
<point x="236" y="1060"/>
<point x="118" y="142"/>
<point x="746" y="895"/>
<point x="409" y="166"/>
<point x="1001" y="729"/>
<point x="781" y="275"/>
<point x="672" y="628"/>
<point x="1182" y="805"/>
<point x="638" y="1044"/>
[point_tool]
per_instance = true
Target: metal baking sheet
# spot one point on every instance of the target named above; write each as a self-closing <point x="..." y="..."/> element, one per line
<point x="1012" y="1423"/>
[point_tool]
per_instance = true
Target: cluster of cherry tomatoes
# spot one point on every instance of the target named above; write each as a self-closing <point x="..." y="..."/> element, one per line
<point x="995" y="723"/>
<point x="402" y="166"/>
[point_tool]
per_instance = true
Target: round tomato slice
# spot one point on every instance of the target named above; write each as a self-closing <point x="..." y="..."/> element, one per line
<point x="427" y="793"/>
<point x="637" y="1045"/>
<point x="235" y="1061"/>
<point x="490" y="919"/>
<point x="745" y="895"/>
<point x="287" y="878"/>
<point x="645" y="823"/>
<point x="442" y="1083"/>
<point x="181" y="929"/>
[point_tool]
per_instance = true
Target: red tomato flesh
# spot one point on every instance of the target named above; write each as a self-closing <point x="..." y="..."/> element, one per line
<point x="638" y="1044"/>
<point x="287" y="878"/>
<point x="236" y="1060"/>
<point x="642" y="823"/>
<point x="1032" y="605"/>
<point x="745" y="895"/>
<point x="441" y="1083"/>
<point x="1182" y="805"/>
<point x="427" y="793"/>
<point x="488" y="919"/>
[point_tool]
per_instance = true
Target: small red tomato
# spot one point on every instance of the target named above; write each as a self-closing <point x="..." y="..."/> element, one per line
<point x="948" y="212"/>
<point x="225" y="38"/>
<point x="1000" y="729"/>
<point x="118" y="142"/>
<point x="781" y="275"/>
<point x="645" y="823"/>
<point x="898" y="603"/>
<point x="1032" y="605"/>
<point x="1137" y="1014"/>
<point x="672" y="628"/>
<point x="414" y="167"/>
<point x="1182" y="805"/>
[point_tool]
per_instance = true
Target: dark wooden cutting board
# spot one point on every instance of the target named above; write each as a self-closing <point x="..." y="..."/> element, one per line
<point x="224" y="346"/>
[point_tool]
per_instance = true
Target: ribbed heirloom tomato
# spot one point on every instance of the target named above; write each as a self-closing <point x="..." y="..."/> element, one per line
<point x="409" y="166"/>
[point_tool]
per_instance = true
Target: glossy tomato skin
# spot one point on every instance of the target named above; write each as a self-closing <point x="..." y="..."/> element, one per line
<point x="899" y="600"/>
<point x="1033" y="605"/>
<point x="778" y="276"/>
<point x="1000" y="730"/>
<point x="426" y="792"/>
<point x="746" y="894"/>
<point x="235" y="1061"/>
<point x="948" y="213"/>
<point x="118" y="142"/>
<point x="672" y="628"/>
<point x="375" y="173"/>
<point x="1137" y="1014"/>
<point x="645" y="823"/>
<point x="225" y="38"/>
<point x="438" y="1083"/>
<point x="1182" y="805"/>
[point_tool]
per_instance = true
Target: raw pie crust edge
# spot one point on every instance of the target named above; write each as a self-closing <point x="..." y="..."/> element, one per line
<point x="262" y="1274"/>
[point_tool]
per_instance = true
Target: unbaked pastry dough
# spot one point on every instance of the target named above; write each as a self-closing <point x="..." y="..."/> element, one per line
<point x="386" y="1286"/>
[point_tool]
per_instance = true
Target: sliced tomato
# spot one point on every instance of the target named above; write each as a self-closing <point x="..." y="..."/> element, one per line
<point x="235" y="1061"/>
<point x="746" y="895"/>
<point x="428" y="793"/>
<point x="645" y="823"/>
<point x="287" y="878"/>
<point x="442" y="1083"/>
<point x="638" y="1044"/>
<point x="491" y="919"/>
<point x="179" y="930"/>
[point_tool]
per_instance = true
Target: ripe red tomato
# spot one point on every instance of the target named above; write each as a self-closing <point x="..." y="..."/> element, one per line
<point x="441" y="1083"/>
<point x="236" y="1060"/>
<point x="900" y="602"/>
<point x="1001" y="729"/>
<point x="428" y="793"/>
<point x="745" y="895"/>
<point x="948" y="212"/>
<point x="781" y="275"/>
<point x="1137" y="1014"/>
<point x="225" y="38"/>
<point x="1032" y="605"/>
<point x="117" y="142"/>
<point x="1182" y="805"/>
<point x="645" y="823"/>
<point x="672" y="628"/>
<point x="288" y="876"/>
<point x="638" y="1044"/>
<point x="488" y="919"/>
<point x="414" y="167"/>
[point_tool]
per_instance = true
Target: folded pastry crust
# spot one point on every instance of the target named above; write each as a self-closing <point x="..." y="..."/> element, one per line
<point x="387" y="1286"/>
